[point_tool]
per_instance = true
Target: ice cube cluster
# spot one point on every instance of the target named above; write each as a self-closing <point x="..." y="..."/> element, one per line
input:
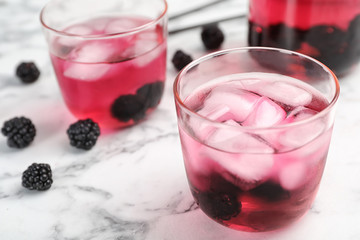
<point x="248" y="158"/>
<point x="88" y="58"/>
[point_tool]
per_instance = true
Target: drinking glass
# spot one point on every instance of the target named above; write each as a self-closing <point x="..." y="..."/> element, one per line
<point x="328" y="30"/>
<point x="109" y="56"/>
<point x="255" y="126"/>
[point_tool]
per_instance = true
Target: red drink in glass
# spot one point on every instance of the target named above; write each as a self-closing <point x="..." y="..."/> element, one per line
<point x="94" y="76"/>
<point x="109" y="58"/>
<point x="276" y="183"/>
<point x="255" y="134"/>
<point x="328" y="30"/>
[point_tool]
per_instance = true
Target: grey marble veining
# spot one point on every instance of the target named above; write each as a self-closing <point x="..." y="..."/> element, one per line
<point x="132" y="185"/>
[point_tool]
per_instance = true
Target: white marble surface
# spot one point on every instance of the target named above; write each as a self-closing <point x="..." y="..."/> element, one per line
<point x="132" y="184"/>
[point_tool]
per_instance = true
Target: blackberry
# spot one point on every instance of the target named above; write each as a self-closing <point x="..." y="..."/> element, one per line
<point x="152" y="93"/>
<point x="83" y="134"/>
<point x="20" y="132"/>
<point x="354" y="30"/>
<point x="27" y="72"/>
<point x="221" y="206"/>
<point x="275" y="36"/>
<point x="37" y="176"/>
<point x="221" y="201"/>
<point x="212" y="36"/>
<point x="326" y="38"/>
<point x="270" y="191"/>
<point x="127" y="107"/>
<point x="181" y="59"/>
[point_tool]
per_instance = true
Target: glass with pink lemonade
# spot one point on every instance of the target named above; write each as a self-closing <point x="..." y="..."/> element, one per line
<point x="109" y="57"/>
<point x="255" y="126"/>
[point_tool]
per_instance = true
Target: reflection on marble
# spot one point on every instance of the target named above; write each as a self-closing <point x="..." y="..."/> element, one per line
<point x="132" y="184"/>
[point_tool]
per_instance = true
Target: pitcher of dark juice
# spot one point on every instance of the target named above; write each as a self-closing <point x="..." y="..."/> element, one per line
<point x="328" y="30"/>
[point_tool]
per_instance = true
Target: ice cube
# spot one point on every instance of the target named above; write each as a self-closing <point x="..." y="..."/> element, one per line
<point x="232" y="140"/>
<point x="70" y="41"/>
<point x="265" y="113"/>
<point x="219" y="112"/>
<point x="153" y="53"/>
<point x="283" y="92"/>
<point x="87" y="61"/>
<point x="292" y="175"/>
<point x="146" y="41"/>
<point x="251" y="166"/>
<point x="301" y="113"/>
<point x="291" y="94"/>
<point x="86" y="71"/>
<point x="121" y="25"/>
<point x="296" y="136"/>
<point x="248" y="171"/>
<point x="148" y="47"/>
<point x="245" y="170"/>
<point x="93" y="52"/>
<point x="243" y="184"/>
<point x="239" y="102"/>
<point x="203" y="128"/>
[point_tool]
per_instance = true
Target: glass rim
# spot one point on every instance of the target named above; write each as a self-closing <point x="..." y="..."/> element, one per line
<point x="198" y="61"/>
<point x="106" y="35"/>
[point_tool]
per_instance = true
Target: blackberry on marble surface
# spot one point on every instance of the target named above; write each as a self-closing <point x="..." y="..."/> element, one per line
<point x="38" y="176"/>
<point x="27" y="72"/>
<point x="212" y="36"/>
<point x="20" y="132"/>
<point x="83" y="134"/>
<point x="181" y="59"/>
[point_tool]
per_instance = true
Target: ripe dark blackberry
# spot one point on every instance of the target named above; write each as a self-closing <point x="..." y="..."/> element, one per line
<point x="212" y="36"/>
<point x="152" y="93"/>
<point x="83" y="134"/>
<point x="27" y="72"/>
<point x="222" y="206"/>
<point x="354" y="30"/>
<point x="20" y="132"/>
<point x="127" y="107"/>
<point x="326" y="38"/>
<point x="270" y="191"/>
<point x="37" y="176"/>
<point x="181" y="59"/>
<point x="221" y="201"/>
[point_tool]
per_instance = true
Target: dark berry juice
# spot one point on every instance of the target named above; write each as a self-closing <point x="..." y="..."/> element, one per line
<point x="115" y="80"/>
<point x="328" y="30"/>
<point x="255" y="181"/>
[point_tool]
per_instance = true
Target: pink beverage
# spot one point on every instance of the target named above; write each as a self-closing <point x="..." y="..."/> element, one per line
<point x="242" y="175"/>
<point x="111" y="76"/>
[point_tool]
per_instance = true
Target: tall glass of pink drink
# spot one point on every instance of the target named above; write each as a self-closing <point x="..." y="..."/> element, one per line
<point x="109" y="57"/>
<point x="255" y="126"/>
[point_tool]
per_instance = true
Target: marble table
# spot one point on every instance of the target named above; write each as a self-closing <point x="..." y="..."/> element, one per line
<point x="132" y="184"/>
